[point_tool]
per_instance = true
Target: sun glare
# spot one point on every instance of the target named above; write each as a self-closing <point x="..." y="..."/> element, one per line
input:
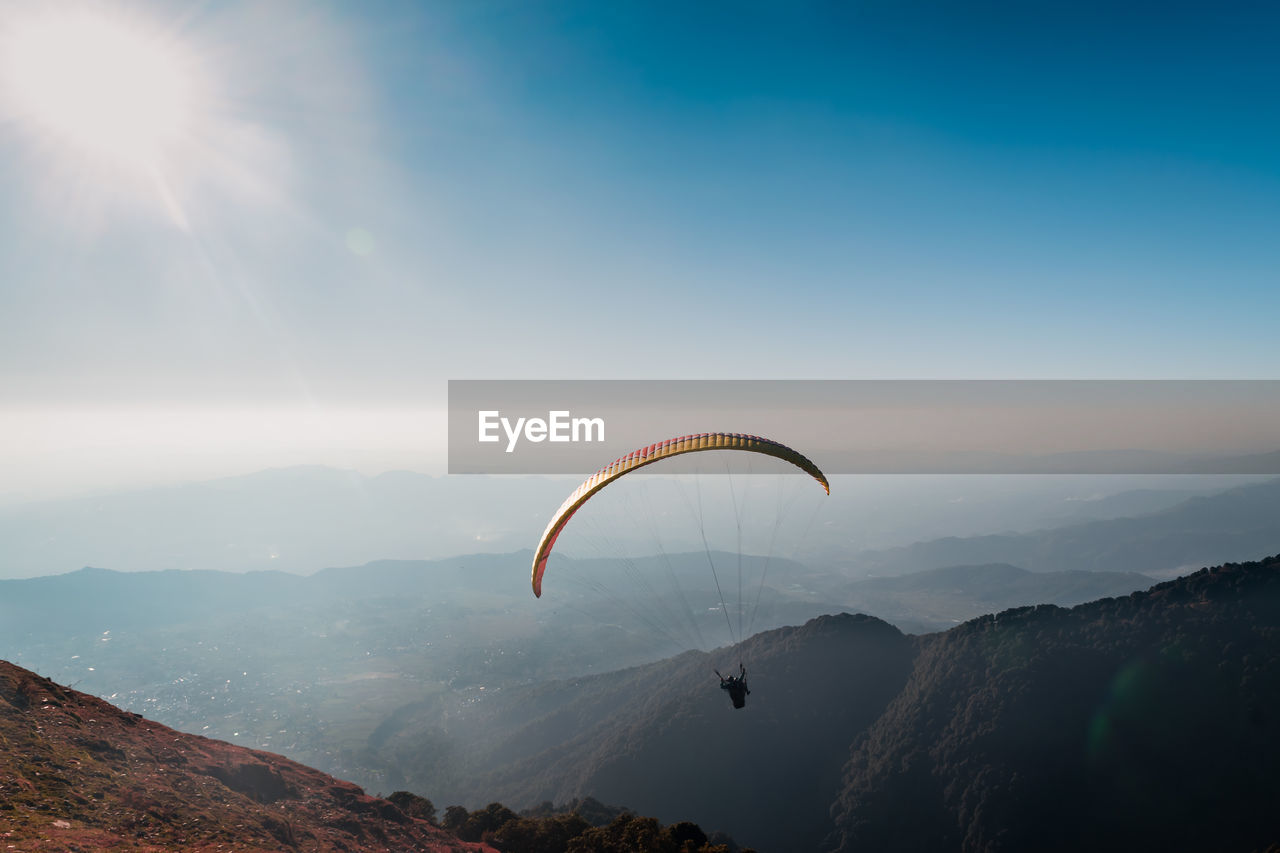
<point x="103" y="87"/>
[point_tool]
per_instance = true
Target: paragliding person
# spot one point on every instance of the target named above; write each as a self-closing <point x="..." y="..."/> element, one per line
<point x="736" y="685"/>
<point x="644" y="456"/>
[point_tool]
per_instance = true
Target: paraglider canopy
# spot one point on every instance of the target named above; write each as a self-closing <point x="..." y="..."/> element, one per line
<point x="647" y="456"/>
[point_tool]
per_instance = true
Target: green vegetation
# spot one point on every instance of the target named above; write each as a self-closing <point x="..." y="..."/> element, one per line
<point x="568" y="831"/>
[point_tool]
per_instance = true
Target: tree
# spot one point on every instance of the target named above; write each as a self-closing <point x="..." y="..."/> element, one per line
<point x="414" y="806"/>
<point x="454" y="818"/>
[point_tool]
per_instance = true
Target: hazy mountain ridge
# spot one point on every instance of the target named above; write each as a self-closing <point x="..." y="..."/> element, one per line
<point x="1238" y="524"/>
<point x="77" y="773"/>
<point x="300" y="518"/>
<point x="937" y="599"/>
<point x="1143" y="721"/>
<point x="292" y="519"/>
<point x="665" y="735"/>
<point x="1035" y="720"/>
<point x="290" y="662"/>
<point x="1130" y="721"/>
<point x="1124" y="504"/>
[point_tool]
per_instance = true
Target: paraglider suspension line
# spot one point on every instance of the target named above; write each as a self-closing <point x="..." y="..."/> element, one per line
<point x="706" y="548"/>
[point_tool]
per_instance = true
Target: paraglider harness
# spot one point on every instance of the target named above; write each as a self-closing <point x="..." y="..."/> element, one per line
<point x="736" y="685"/>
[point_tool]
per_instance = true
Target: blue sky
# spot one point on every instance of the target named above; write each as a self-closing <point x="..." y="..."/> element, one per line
<point x="368" y="199"/>
<point x="903" y="190"/>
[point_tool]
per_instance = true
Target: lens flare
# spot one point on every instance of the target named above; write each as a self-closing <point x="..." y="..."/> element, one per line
<point x="103" y="86"/>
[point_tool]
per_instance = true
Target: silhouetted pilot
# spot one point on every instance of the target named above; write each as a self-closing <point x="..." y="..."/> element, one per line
<point x="736" y="685"/>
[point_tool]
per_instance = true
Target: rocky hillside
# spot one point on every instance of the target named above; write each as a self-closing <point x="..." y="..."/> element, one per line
<point x="77" y="773"/>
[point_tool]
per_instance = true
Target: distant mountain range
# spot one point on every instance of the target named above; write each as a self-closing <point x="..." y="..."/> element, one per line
<point x="1146" y="721"/>
<point x="449" y="678"/>
<point x="1238" y="524"/>
<point x="306" y="518"/>
<point x="1142" y="721"/>
<point x="937" y="599"/>
<point x="293" y="519"/>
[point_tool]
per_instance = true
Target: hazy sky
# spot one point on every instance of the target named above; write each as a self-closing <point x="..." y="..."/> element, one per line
<point x="235" y="234"/>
